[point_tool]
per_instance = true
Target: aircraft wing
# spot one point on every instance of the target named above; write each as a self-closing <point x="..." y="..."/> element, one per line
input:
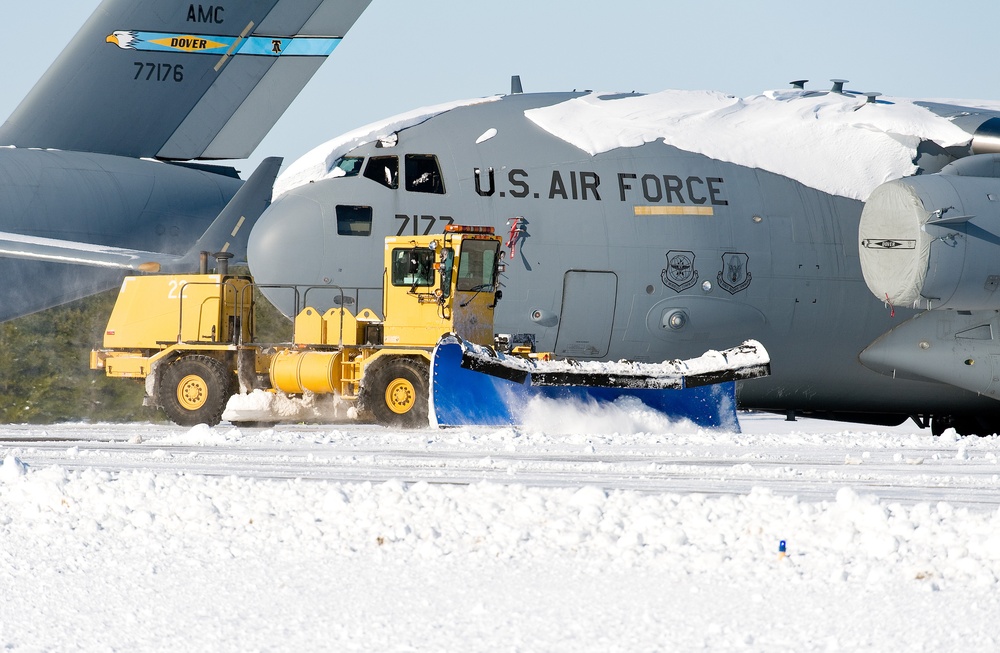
<point x="227" y="233"/>
<point x="73" y="252"/>
<point x="179" y="80"/>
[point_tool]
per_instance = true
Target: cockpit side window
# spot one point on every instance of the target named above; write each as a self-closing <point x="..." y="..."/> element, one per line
<point x="384" y="170"/>
<point x="423" y="175"/>
<point x="347" y="166"/>
<point x="354" y="220"/>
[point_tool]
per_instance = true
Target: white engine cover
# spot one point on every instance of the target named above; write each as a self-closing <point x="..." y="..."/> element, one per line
<point x="934" y="241"/>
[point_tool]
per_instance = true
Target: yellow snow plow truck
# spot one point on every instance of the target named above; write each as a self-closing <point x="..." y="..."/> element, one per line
<point x="191" y="338"/>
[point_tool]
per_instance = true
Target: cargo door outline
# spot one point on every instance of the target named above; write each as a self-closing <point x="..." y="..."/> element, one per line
<point x="587" y="315"/>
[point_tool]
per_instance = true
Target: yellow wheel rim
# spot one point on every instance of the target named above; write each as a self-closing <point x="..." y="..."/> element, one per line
<point x="192" y="392"/>
<point x="400" y="396"/>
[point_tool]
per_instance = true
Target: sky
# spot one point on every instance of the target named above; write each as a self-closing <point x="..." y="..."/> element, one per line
<point x="402" y="55"/>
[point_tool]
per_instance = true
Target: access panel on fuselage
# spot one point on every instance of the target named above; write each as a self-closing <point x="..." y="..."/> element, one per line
<point x="587" y="313"/>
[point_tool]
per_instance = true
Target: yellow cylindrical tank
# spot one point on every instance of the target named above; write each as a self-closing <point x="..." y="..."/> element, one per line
<point x="296" y="372"/>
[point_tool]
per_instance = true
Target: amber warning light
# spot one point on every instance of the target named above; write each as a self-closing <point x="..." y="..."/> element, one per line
<point x="463" y="229"/>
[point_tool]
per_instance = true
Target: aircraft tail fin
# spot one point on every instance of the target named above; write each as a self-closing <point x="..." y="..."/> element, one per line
<point x="231" y="229"/>
<point x="177" y="80"/>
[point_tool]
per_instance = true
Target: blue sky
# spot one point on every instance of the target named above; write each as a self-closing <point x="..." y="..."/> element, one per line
<point x="404" y="54"/>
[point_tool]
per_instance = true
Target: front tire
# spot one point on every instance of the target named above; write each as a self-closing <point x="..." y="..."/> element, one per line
<point x="194" y="390"/>
<point x="396" y="393"/>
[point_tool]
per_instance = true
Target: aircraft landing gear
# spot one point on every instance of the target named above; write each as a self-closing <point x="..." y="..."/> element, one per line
<point x="980" y="425"/>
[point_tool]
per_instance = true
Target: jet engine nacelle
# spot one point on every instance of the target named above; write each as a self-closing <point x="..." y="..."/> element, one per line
<point x="933" y="241"/>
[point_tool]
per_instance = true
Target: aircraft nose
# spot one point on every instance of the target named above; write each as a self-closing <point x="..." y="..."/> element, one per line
<point x="288" y="242"/>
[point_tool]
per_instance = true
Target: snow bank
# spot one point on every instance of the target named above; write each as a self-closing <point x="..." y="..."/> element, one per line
<point x="852" y="537"/>
<point x="264" y="406"/>
<point x="153" y="537"/>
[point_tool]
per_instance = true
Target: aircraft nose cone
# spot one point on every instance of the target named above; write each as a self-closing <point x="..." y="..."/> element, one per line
<point x="287" y="245"/>
<point x="880" y="357"/>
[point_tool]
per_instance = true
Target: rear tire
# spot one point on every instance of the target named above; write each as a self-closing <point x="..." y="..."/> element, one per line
<point x="194" y="390"/>
<point x="396" y="393"/>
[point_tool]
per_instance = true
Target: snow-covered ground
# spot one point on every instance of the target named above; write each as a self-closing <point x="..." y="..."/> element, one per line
<point x="609" y="531"/>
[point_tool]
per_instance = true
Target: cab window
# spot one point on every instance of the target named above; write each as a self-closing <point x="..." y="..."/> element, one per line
<point x="477" y="265"/>
<point x="413" y="267"/>
<point x="384" y="170"/>
<point x="423" y="174"/>
<point x="354" y="220"/>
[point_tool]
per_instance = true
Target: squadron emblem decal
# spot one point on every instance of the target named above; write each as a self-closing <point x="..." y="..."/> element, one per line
<point x="680" y="273"/>
<point x="735" y="276"/>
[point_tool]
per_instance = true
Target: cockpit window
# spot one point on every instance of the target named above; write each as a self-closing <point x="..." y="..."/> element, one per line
<point x="423" y="174"/>
<point x="354" y="220"/>
<point x="384" y="170"/>
<point x="347" y="166"/>
<point x="477" y="265"/>
<point x="413" y="267"/>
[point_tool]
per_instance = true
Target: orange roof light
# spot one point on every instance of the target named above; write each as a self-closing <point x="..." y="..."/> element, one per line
<point x="465" y="229"/>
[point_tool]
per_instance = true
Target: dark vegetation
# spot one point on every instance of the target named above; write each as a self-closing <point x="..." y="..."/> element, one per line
<point x="45" y="373"/>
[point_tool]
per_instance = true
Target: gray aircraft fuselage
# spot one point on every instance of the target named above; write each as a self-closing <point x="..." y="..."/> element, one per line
<point x="727" y="253"/>
<point x="102" y="199"/>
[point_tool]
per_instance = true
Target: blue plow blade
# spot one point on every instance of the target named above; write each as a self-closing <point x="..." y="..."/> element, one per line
<point x="463" y="397"/>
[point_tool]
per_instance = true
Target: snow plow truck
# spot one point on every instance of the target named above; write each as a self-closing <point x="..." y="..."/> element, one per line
<point x="431" y="358"/>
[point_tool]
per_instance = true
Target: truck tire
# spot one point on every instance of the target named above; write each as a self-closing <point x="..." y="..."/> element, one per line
<point x="396" y="393"/>
<point x="194" y="390"/>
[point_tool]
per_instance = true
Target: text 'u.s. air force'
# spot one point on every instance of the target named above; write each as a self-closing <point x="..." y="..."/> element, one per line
<point x="585" y="185"/>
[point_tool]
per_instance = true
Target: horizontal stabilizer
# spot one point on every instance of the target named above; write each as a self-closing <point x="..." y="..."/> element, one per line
<point x="179" y="80"/>
<point x="474" y="385"/>
<point x="227" y="233"/>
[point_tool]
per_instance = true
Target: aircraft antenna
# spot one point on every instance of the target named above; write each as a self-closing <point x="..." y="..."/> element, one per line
<point x="515" y="85"/>
<point x="799" y="84"/>
<point x="838" y="86"/>
<point x="871" y="95"/>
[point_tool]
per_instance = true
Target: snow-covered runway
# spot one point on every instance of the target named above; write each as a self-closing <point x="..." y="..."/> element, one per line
<point x="610" y="531"/>
<point x="792" y="459"/>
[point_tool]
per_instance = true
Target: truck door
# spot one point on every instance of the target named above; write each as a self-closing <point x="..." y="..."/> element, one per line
<point x="588" y="313"/>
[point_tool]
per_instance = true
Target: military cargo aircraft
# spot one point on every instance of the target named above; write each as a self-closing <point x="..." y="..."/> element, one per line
<point x="653" y="227"/>
<point x="105" y="154"/>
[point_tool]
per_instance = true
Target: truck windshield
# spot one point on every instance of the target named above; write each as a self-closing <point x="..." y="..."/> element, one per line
<point x="477" y="265"/>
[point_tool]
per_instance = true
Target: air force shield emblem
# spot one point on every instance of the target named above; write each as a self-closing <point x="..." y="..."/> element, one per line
<point x="734" y="276"/>
<point x="680" y="273"/>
